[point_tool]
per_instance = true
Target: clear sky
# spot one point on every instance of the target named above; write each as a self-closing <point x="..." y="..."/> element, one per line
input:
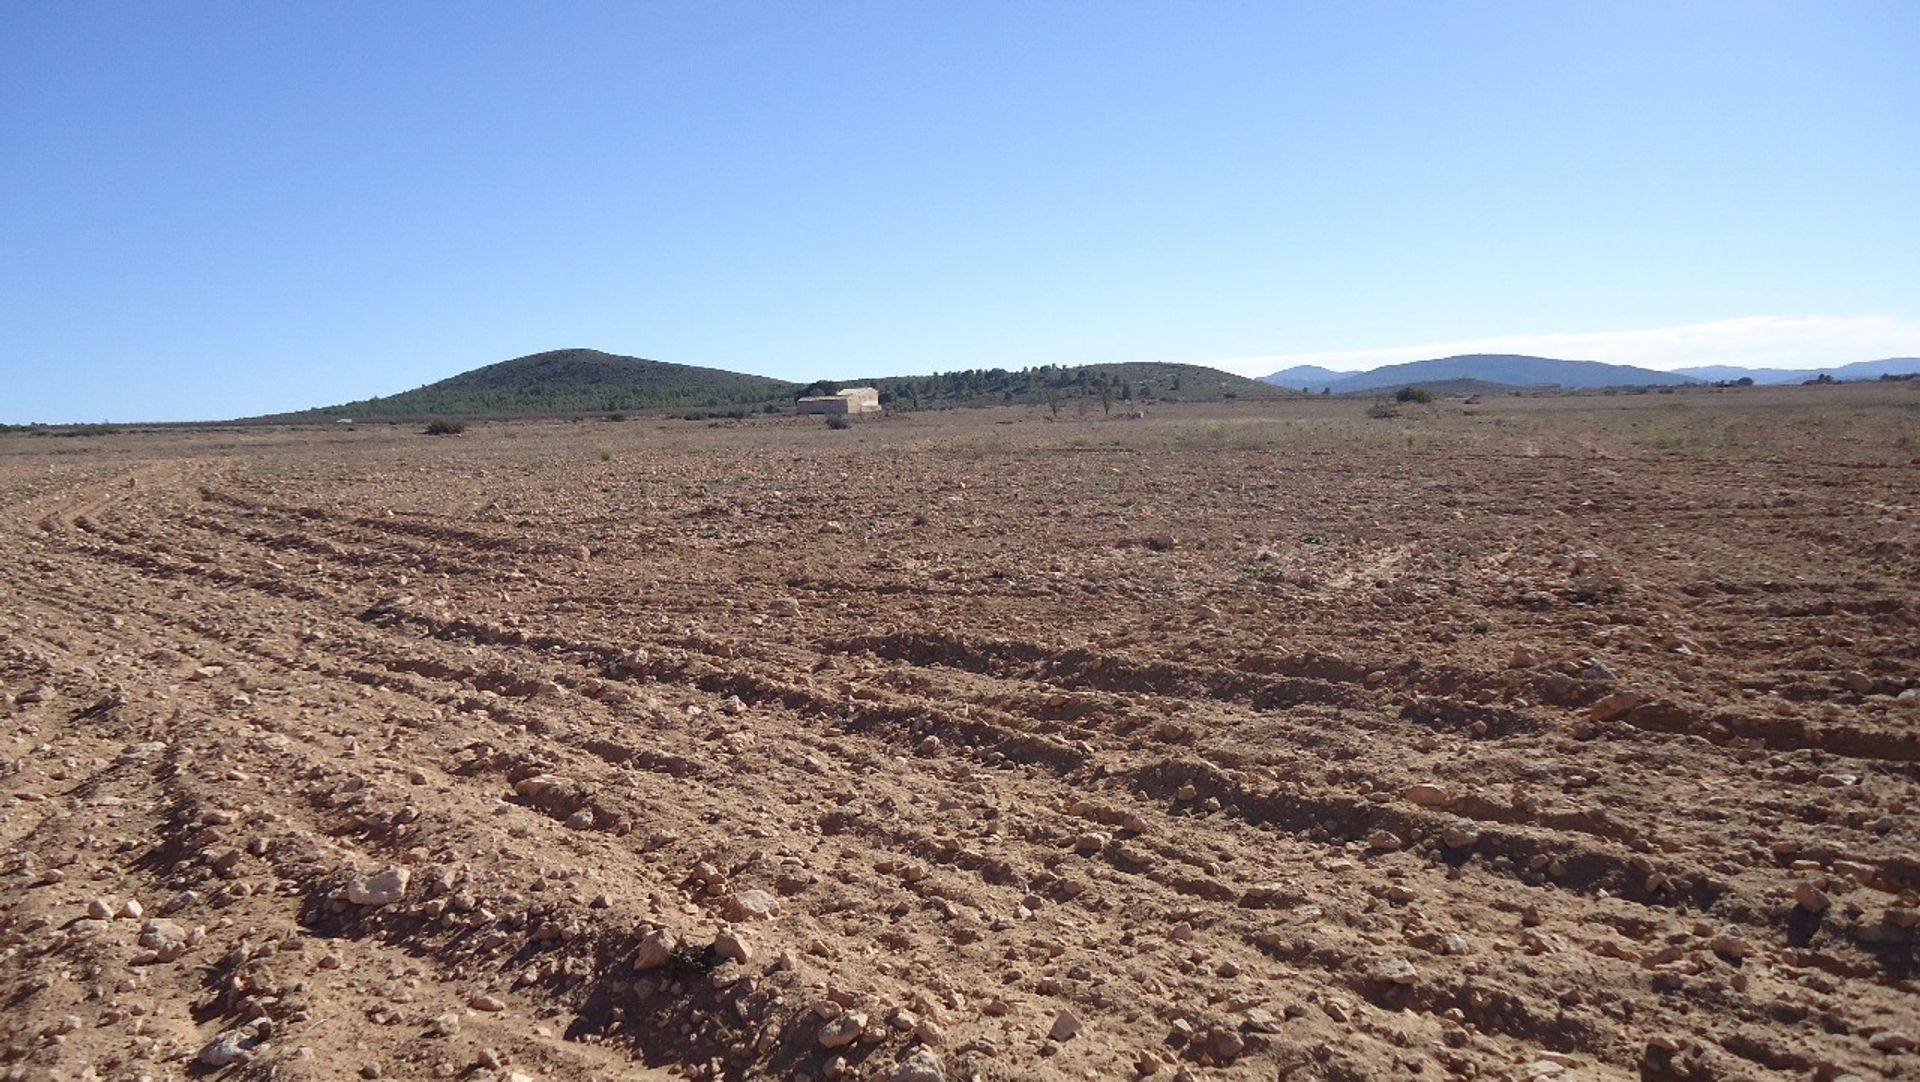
<point x="212" y="209"/>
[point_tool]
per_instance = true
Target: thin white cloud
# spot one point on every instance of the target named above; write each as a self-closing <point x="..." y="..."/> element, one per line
<point x="1752" y="342"/>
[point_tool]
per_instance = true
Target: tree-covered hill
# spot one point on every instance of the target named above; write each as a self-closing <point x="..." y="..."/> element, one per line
<point x="566" y="381"/>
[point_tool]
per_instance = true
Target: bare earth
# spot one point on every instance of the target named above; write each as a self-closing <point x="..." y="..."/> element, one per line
<point x="1547" y="738"/>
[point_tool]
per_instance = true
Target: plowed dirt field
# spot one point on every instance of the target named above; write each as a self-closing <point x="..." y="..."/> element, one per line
<point x="1530" y="738"/>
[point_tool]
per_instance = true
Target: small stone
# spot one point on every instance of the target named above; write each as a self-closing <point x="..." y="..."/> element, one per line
<point x="1385" y="840"/>
<point x="1890" y="1040"/>
<point x="922" y="1066"/>
<point x="1461" y="834"/>
<point x="1092" y="841"/>
<point x="1223" y="1045"/>
<point x="843" y="1031"/>
<point x="1393" y="970"/>
<point x="445" y="1025"/>
<point x="752" y="905"/>
<point x="233" y="1046"/>
<point x="1811" y="898"/>
<point x="1526" y="657"/>
<point x="1065" y="1026"/>
<point x="129" y="910"/>
<point x="485" y="1002"/>
<point x="1731" y="945"/>
<point x="1615" y="705"/>
<point x="1858" y="682"/>
<point x="1427" y="795"/>
<point x="166" y="939"/>
<point x="654" y="950"/>
<point x="100" y="909"/>
<point x="729" y="944"/>
<point x="383" y="887"/>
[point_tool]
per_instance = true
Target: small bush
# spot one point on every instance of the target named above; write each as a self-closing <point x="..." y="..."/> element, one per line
<point x="446" y="428"/>
<point x="605" y="451"/>
<point x="839" y="423"/>
<point x="1413" y="394"/>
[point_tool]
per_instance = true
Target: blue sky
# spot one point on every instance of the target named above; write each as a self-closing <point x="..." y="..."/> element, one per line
<point x="210" y="210"/>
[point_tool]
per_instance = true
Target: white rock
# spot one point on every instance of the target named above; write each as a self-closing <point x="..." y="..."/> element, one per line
<point x="729" y="944"/>
<point x="233" y="1046"/>
<point x="752" y="905"/>
<point x="1811" y="898"/>
<point x="843" y="1031"/>
<point x="383" y="887"/>
<point x="1393" y="970"/>
<point x="654" y="951"/>
<point x="922" y="1066"/>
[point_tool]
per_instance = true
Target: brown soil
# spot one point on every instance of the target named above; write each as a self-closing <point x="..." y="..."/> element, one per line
<point x="1518" y="739"/>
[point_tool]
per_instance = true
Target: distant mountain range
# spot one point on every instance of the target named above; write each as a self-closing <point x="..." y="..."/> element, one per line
<point x="1890" y="366"/>
<point x="1514" y="370"/>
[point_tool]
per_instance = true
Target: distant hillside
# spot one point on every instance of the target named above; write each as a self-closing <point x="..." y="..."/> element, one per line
<point x="563" y="381"/>
<point x="1306" y="377"/>
<point x="1450" y="387"/>
<point x="1107" y="385"/>
<point x="1888" y="366"/>
<point x="1727" y="373"/>
<point x="1511" y="369"/>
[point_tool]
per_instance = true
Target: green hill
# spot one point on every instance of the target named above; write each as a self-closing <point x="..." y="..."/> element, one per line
<point x="566" y="381"/>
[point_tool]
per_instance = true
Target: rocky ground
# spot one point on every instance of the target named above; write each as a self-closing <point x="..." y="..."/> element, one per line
<point x="1528" y="738"/>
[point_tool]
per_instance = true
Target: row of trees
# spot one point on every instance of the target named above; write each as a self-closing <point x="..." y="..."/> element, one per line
<point x="1050" y="384"/>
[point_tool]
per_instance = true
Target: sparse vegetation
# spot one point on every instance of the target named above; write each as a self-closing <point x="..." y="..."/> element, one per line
<point x="445" y="427"/>
<point x="1418" y="395"/>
